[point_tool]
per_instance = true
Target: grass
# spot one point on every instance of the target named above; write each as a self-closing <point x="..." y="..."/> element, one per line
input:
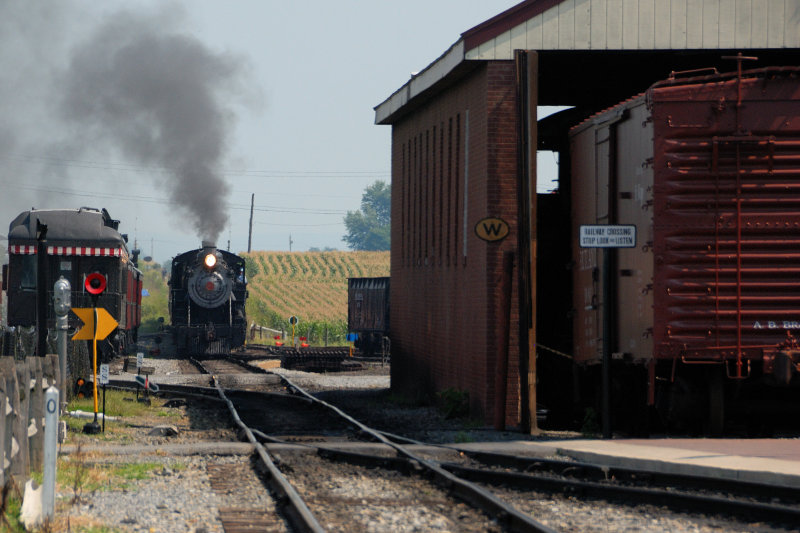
<point x="81" y="473"/>
<point x="11" y="505"/>
<point x="119" y="404"/>
<point x="72" y="471"/>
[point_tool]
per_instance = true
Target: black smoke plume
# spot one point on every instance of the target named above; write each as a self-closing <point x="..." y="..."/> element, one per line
<point x="161" y="98"/>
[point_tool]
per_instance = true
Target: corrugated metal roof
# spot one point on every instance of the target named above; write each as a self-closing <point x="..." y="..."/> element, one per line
<point x="646" y="25"/>
<point x="611" y="25"/>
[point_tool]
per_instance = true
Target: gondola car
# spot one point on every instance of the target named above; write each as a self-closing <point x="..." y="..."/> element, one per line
<point x="78" y="242"/>
<point x="208" y="292"/>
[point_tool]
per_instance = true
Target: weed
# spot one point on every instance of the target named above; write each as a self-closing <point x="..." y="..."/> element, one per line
<point x="454" y="402"/>
<point x="124" y="473"/>
<point x="462" y="437"/>
<point x="590" y="426"/>
<point x="473" y="423"/>
<point x="10" y="506"/>
<point x="76" y="473"/>
<point x="403" y="400"/>
<point x="117" y="404"/>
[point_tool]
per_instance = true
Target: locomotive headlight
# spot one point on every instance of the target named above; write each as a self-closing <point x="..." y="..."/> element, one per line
<point x="210" y="260"/>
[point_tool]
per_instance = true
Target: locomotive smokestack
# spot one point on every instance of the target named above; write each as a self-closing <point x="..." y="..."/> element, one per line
<point x="161" y="98"/>
<point x="208" y="244"/>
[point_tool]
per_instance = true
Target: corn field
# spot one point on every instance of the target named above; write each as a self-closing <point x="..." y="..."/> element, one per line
<point x="309" y="285"/>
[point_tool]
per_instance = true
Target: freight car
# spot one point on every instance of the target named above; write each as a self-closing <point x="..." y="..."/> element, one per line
<point x="208" y="292"/>
<point x="368" y="312"/>
<point x="706" y="307"/>
<point x="78" y="242"/>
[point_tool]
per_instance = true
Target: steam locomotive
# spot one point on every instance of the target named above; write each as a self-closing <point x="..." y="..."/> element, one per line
<point x="208" y="291"/>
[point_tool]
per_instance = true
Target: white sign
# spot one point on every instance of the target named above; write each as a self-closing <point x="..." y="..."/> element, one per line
<point x="608" y="236"/>
<point x="102" y="379"/>
<point x="139" y="359"/>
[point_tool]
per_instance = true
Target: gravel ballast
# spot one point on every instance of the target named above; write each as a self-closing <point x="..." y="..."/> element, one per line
<point x="178" y="495"/>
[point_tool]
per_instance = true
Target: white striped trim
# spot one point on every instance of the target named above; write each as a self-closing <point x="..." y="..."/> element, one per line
<point x="22" y="249"/>
<point x="26" y="249"/>
<point x="84" y="250"/>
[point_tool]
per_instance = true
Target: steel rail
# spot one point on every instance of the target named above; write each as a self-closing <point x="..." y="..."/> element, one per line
<point x="664" y="498"/>
<point x="506" y="514"/>
<point x="290" y="502"/>
<point x="593" y="471"/>
<point x="677" y="501"/>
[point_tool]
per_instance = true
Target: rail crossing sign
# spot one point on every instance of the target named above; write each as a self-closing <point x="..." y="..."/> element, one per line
<point x="105" y="324"/>
<point x="492" y="229"/>
<point x="145" y="382"/>
<point x="608" y="236"/>
<point x="102" y="378"/>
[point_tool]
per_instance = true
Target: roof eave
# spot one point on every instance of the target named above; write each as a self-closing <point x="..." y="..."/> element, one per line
<point x="386" y="111"/>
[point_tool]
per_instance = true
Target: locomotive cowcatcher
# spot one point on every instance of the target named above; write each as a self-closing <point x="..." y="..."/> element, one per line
<point x="208" y="291"/>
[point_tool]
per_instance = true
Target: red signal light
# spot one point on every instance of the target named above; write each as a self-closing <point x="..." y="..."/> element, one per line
<point x="95" y="283"/>
<point x="80" y="390"/>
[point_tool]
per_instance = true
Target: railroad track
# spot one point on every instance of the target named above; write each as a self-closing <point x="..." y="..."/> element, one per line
<point x="749" y="502"/>
<point x="299" y="417"/>
<point x="281" y="412"/>
<point x="484" y="513"/>
<point x="310" y="358"/>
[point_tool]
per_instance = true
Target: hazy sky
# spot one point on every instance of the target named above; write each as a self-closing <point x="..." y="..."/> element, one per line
<point x="155" y="109"/>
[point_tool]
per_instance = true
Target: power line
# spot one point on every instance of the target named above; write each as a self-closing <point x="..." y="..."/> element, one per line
<point x="297" y="225"/>
<point x="164" y="201"/>
<point x="127" y="167"/>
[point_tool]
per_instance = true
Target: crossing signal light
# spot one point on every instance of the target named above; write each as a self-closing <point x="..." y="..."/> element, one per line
<point x="95" y="283"/>
<point x="80" y="388"/>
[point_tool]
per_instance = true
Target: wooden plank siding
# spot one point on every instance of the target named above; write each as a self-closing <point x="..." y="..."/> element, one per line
<point x="651" y="24"/>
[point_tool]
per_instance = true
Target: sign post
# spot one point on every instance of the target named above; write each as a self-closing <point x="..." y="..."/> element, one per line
<point x="104" y="382"/>
<point x="608" y="237"/>
<point x="50" y="452"/>
<point x="98" y="324"/>
<point x="293" y="321"/>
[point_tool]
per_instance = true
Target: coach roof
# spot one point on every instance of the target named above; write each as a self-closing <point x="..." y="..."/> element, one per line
<point x="68" y="227"/>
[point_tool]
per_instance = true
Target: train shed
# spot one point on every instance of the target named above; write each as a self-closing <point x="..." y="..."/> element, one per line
<point x="479" y="259"/>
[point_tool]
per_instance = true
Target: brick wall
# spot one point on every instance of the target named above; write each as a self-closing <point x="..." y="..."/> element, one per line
<point x="454" y="162"/>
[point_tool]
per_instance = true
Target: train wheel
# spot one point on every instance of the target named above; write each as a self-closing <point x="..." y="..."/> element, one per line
<point x="716" y="403"/>
<point x="684" y="408"/>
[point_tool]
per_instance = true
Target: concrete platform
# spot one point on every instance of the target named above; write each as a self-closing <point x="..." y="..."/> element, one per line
<point x="769" y="461"/>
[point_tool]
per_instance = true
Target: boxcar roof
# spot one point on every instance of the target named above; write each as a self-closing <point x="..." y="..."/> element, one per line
<point x="68" y="227"/>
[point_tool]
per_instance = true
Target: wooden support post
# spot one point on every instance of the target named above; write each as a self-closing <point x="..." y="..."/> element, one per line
<point x="504" y="327"/>
<point x="527" y="99"/>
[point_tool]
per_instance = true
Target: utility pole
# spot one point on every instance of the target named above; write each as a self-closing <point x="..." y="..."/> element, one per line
<point x="250" y="233"/>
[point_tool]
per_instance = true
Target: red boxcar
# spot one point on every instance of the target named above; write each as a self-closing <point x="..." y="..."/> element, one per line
<point x="368" y="312"/>
<point x="708" y="302"/>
